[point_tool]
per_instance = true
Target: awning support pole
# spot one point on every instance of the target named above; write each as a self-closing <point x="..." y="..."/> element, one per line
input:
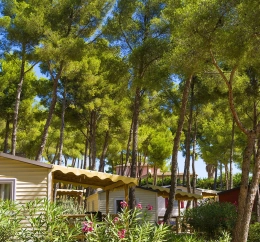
<point x="107" y="201"/>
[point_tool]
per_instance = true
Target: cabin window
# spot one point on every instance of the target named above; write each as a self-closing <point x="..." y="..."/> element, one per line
<point x="175" y="204"/>
<point x="118" y="206"/>
<point x="7" y="189"/>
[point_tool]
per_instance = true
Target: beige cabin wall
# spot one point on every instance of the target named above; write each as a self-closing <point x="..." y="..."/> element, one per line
<point x="31" y="181"/>
<point x="92" y="203"/>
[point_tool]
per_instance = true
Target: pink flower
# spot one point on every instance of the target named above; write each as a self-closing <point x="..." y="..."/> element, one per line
<point x="116" y="219"/>
<point x="123" y="204"/>
<point x="139" y="206"/>
<point x="87" y="227"/>
<point x="121" y="234"/>
<point x="160" y="222"/>
<point x="149" y="207"/>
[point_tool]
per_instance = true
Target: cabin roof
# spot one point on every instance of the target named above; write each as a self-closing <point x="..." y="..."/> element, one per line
<point x="25" y="160"/>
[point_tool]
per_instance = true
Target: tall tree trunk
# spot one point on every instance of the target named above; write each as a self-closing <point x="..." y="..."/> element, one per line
<point x="216" y="177"/>
<point x="155" y="175"/>
<point x="56" y="153"/>
<point x="135" y="145"/>
<point x="86" y="150"/>
<point x="51" y="111"/>
<point x="241" y="228"/>
<point x="221" y="175"/>
<point x="73" y="162"/>
<point x="187" y="159"/>
<point x="257" y="206"/>
<point x="66" y="161"/>
<point x="17" y="101"/>
<point x="120" y="168"/>
<point x="188" y="144"/>
<point x="104" y="151"/>
<point x="231" y="155"/>
<point x="92" y="131"/>
<point x="7" y="129"/>
<point x="175" y="149"/>
<point x="226" y="176"/>
<point x="194" y="176"/>
<point x="62" y="127"/>
<point x="128" y="148"/>
<point x="184" y="176"/>
<point x="247" y="192"/>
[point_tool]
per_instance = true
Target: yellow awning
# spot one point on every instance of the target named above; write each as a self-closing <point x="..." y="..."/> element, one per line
<point x="179" y="195"/>
<point x="88" y="178"/>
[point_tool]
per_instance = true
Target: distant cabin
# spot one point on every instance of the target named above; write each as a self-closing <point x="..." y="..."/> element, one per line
<point x="97" y="202"/>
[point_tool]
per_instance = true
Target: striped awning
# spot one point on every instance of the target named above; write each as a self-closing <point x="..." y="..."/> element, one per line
<point x="89" y="178"/>
<point x="179" y="195"/>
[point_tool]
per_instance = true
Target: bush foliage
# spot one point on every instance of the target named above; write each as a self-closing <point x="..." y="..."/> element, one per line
<point x="212" y="218"/>
<point x="129" y="225"/>
<point x="46" y="223"/>
<point x="42" y="221"/>
<point x="254" y="233"/>
<point x="9" y="220"/>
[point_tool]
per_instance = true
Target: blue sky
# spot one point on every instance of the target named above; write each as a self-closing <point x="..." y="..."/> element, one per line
<point x="200" y="167"/>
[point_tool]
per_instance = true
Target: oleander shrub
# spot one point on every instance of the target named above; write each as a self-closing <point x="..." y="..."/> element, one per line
<point x="9" y="221"/>
<point x="42" y="221"/>
<point x="129" y="225"/>
<point x="211" y="219"/>
<point x="46" y="223"/>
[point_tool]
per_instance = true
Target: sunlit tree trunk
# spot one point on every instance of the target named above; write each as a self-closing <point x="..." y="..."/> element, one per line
<point x="7" y="129"/>
<point x="62" y="126"/>
<point x="50" y="114"/>
<point x="231" y="156"/>
<point x="188" y="138"/>
<point x="135" y="145"/>
<point x="104" y="151"/>
<point x="226" y="175"/>
<point x="176" y="143"/>
<point x="194" y="177"/>
<point x="92" y="132"/>
<point x="17" y="101"/>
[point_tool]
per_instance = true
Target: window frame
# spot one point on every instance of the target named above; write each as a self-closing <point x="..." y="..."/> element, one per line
<point x="12" y="182"/>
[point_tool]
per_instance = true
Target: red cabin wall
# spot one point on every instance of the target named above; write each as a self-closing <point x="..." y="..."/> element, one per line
<point x="229" y="196"/>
